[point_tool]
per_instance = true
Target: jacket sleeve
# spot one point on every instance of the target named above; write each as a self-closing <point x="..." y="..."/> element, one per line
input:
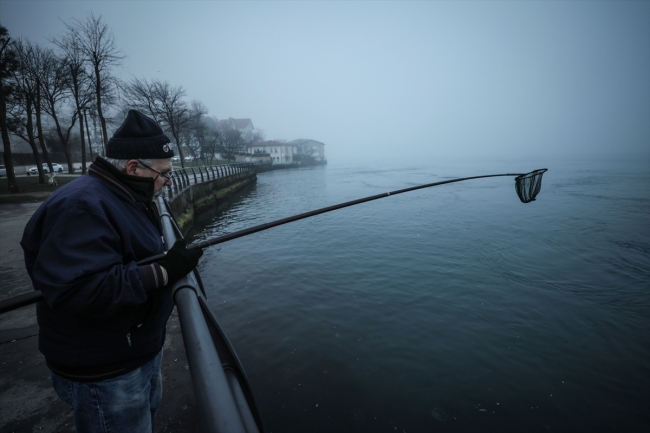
<point x="81" y="261"/>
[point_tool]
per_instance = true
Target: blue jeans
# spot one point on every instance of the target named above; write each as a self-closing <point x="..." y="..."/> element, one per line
<point x="126" y="403"/>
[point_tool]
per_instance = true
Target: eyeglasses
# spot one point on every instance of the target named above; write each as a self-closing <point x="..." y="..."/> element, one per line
<point x="165" y="174"/>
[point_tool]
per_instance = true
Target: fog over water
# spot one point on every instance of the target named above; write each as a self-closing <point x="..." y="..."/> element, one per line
<point x="381" y="81"/>
<point x="450" y="309"/>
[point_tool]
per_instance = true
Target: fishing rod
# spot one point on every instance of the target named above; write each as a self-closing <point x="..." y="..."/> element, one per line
<point x="527" y="186"/>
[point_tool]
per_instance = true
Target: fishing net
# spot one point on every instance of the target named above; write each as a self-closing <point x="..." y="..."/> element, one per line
<point x="528" y="185"/>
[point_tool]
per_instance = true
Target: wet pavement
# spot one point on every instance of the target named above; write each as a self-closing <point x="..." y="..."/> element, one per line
<point x="27" y="401"/>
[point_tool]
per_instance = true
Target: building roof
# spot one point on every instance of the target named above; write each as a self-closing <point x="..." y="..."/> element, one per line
<point x="301" y="141"/>
<point x="242" y="123"/>
<point x="267" y="143"/>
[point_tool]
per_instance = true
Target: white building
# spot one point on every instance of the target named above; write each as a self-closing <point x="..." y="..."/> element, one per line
<point x="281" y="153"/>
<point x="303" y="151"/>
<point x="310" y="148"/>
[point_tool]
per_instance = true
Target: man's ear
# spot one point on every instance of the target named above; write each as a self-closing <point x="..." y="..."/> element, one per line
<point x="131" y="165"/>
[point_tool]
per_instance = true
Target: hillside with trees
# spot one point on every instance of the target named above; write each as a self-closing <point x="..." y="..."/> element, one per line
<point x="63" y="100"/>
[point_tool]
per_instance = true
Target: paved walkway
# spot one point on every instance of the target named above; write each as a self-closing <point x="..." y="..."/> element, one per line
<point x="27" y="401"/>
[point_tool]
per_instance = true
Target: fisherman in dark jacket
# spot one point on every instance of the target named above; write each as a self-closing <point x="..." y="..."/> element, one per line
<point x="102" y="321"/>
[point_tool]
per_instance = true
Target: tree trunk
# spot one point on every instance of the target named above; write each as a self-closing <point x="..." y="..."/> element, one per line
<point x="64" y="141"/>
<point x="98" y="92"/>
<point x="39" y="127"/>
<point x="9" y="163"/>
<point x="178" y="146"/>
<point x="101" y="138"/>
<point x="68" y="160"/>
<point x="32" y="141"/>
<point x="75" y="90"/>
<point x="83" y="143"/>
<point x="90" y="146"/>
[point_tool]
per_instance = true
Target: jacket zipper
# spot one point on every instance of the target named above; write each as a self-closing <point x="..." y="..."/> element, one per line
<point x="128" y="338"/>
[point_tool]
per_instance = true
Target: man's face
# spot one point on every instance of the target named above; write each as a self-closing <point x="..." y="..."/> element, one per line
<point x="160" y="171"/>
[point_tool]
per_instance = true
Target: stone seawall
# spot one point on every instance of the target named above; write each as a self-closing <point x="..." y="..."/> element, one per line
<point x="208" y="195"/>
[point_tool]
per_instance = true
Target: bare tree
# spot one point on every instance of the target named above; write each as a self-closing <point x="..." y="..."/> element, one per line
<point x="195" y="132"/>
<point x="211" y="142"/>
<point x="165" y="104"/>
<point x="79" y="86"/>
<point x="188" y="141"/>
<point x="173" y="111"/>
<point x="139" y="94"/>
<point x="27" y="101"/>
<point x="204" y="134"/>
<point x="231" y="143"/>
<point x="55" y="88"/>
<point x="8" y="65"/>
<point x="252" y="136"/>
<point x="96" y="43"/>
<point x="38" y="64"/>
<point x="234" y="141"/>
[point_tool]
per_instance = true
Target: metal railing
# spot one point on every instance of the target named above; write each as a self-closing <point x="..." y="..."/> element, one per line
<point x="186" y="177"/>
<point x="223" y="396"/>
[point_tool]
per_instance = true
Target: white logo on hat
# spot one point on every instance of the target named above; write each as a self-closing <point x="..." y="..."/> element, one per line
<point x="165" y="148"/>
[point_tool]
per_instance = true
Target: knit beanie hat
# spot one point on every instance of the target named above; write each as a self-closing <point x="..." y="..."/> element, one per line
<point x="139" y="137"/>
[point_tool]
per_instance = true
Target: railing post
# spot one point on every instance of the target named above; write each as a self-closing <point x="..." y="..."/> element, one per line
<point x="185" y="179"/>
<point x="170" y="194"/>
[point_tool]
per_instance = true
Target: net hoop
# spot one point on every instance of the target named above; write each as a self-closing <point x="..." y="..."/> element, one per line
<point x="528" y="185"/>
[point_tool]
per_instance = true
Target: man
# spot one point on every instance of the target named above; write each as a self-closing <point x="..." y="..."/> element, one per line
<point x="102" y="321"/>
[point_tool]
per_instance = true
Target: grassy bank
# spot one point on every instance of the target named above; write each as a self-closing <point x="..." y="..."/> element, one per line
<point x="29" y="189"/>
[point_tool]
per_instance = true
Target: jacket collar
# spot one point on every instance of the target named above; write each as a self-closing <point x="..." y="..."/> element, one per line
<point x="136" y="187"/>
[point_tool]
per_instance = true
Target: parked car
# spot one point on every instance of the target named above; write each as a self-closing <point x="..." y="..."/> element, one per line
<point x="46" y="169"/>
<point x="189" y="158"/>
<point x="175" y="159"/>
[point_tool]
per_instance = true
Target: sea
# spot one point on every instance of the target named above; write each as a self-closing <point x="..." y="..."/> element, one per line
<point x="455" y="308"/>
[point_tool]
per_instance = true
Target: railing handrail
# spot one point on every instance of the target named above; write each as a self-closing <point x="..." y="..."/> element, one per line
<point x="224" y="400"/>
<point x="181" y="177"/>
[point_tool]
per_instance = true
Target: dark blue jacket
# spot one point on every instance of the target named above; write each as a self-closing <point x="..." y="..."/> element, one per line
<point x="103" y="315"/>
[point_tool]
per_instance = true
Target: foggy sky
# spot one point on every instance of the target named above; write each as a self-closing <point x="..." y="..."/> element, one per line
<point x="407" y="80"/>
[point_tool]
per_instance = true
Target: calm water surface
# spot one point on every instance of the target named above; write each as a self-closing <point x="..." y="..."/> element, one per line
<point x="455" y="308"/>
